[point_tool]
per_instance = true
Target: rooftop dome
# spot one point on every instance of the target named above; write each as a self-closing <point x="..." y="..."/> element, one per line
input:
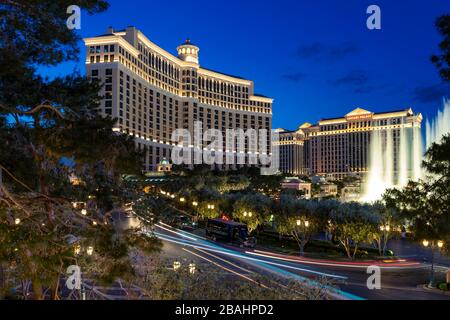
<point x="188" y="51"/>
<point x="188" y="42"/>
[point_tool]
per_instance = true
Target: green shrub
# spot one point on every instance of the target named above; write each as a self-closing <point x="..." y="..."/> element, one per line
<point x="444" y="286"/>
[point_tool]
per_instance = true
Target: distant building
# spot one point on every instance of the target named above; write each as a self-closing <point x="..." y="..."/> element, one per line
<point x="164" y="166"/>
<point x="292" y="150"/>
<point x="339" y="147"/>
<point x="328" y="190"/>
<point x="351" y="193"/>
<point x="297" y="184"/>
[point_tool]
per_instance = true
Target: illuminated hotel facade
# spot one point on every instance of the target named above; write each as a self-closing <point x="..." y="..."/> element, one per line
<point x="152" y="92"/>
<point x="339" y="147"/>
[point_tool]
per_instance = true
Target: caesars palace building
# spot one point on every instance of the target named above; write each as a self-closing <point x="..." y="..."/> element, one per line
<point x="152" y="92"/>
<point x="340" y="146"/>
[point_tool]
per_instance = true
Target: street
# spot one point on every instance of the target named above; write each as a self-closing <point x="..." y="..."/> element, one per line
<point x="399" y="279"/>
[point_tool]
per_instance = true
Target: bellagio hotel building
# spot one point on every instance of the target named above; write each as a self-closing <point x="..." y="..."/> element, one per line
<point x="338" y="147"/>
<point x="152" y="92"/>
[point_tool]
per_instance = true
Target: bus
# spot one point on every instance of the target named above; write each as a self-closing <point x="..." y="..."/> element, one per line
<point x="229" y="231"/>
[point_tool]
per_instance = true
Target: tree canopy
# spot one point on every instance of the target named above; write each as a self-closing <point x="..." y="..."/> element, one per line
<point x="61" y="164"/>
<point x="426" y="203"/>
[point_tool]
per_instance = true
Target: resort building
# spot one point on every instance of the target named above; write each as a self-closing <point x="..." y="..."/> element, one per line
<point x="152" y="92"/>
<point x="339" y="147"/>
<point x="297" y="184"/>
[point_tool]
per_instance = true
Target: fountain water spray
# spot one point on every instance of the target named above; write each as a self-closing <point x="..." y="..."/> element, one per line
<point x="384" y="171"/>
<point x="439" y="126"/>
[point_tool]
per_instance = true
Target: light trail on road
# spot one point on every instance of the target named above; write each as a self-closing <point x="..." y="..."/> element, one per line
<point x="363" y="265"/>
<point x="269" y="266"/>
<point x="236" y="254"/>
<point x="287" y="266"/>
<point x="226" y="261"/>
<point x="225" y="268"/>
<point x="160" y="225"/>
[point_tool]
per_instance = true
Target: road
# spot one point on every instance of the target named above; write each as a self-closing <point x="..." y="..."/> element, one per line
<point x="399" y="279"/>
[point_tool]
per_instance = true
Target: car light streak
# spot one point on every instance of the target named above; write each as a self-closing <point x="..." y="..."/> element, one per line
<point x="226" y="261"/>
<point x="337" y="293"/>
<point x="332" y="263"/>
<point x="218" y="249"/>
<point x="225" y="268"/>
<point x="176" y="232"/>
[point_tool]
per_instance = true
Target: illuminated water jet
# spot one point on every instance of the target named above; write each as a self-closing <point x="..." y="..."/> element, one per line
<point x="439" y="126"/>
<point x="405" y="142"/>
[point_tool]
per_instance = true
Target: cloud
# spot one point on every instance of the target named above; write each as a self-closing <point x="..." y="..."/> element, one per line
<point x="294" y="77"/>
<point x="354" y="78"/>
<point x="358" y="82"/>
<point x="326" y="53"/>
<point x="431" y="93"/>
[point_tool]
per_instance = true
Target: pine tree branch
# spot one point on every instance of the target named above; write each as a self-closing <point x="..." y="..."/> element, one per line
<point x="34" y="110"/>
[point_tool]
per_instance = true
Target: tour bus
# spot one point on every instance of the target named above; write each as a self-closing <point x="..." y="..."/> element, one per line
<point x="229" y="231"/>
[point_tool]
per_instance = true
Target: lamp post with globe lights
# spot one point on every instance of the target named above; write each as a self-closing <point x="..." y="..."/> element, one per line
<point x="301" y="233"/>
<point x="385" y="231"/>
<point x="248" y="214"/>
<point x="433" y="245"/>
<point x="89" y="251"/>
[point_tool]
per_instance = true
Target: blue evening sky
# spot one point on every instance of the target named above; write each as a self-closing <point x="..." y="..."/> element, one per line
<point x="316" y="58"/>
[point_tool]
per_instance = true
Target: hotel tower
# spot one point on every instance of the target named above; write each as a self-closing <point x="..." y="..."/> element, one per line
<point x="152" y="92"/>
<point x="388" y="142"/>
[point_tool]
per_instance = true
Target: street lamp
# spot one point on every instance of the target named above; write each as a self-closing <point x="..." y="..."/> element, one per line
<point x="432" y="244"/>
<point x="195" y="203"/>
<point x="172" y="196"/>
<point x="90" y="251"/>
<point x="305" y="223"/>
<point x="83" y="212"/>
<point x="384" y="238"/>
<point x="192" y="268"/>
<point x="245" y="213"/>
<point x="182" y="199"/>
<point x="17" y="221"/>
<point x="176" y="265"/>
<point x="250" y="214"/>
